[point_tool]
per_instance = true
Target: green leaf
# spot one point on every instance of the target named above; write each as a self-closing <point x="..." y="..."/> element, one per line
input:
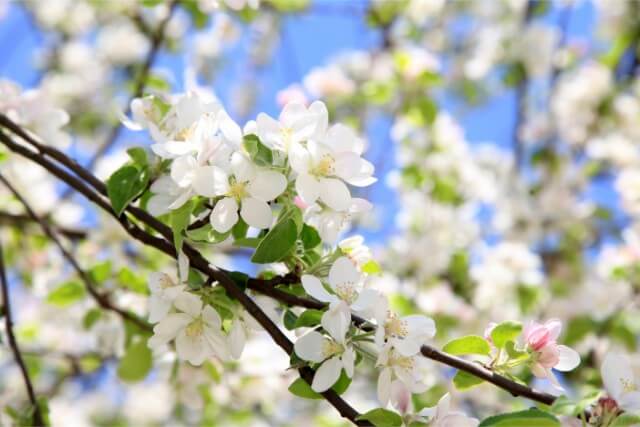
<point x="294" y="213"/>
<point x="471" y="344"/>
<point x="505" y="332"/>
<point x="625" y="420"/>
<point x="138" y="156"/>
<point x="100" y="272"/>
<point x="310" y="237"/>
<point x="309" y="318"/>
<point x="290" y="320"/>
<point x="381" y="418"/>
<point x="125" y="185"/>
<point x="239" y="231"/>
<point x="130" y="280"/>
<point x="300" y="388"/>
<point x="180" y="219"/>
<point x="371" y="267"/>
<point x="136" y="363"/>
<point x="91" y="317"/>
<point x="514" y="353"/>
<point x="277" y="244"/>
<point x="464" y="380"/>
<point x="259" y="153"/>
<point x="66" y="294"/>
<point x="527" y="418"/>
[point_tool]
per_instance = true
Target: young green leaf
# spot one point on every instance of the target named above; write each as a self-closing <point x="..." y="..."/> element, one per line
<point x="136" y="363"/>
<point x="125" y="185"/>
<point x="505" y="332"/>
<point x="527" y="418"/>
<point x="471" y="344"/>
<point x="277" y="244"/>
<point x="464" y="381"/>
<point x="66" y="294"/>
<point x="381" y="418"/>
<point x="309" y="318"/>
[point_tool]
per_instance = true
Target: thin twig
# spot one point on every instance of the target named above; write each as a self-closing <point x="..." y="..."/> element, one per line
<point x="8" y="320"/>
<point x="102" y="300"/>
<point x="22" y="220"/>
<point x="196" y="260"/>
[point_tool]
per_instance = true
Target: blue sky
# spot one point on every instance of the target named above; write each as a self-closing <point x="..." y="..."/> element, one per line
<point x="309" y="40"/>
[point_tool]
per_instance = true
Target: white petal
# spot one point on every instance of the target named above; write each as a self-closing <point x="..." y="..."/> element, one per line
<point x="211" y="317"/>
<point x="335" y="194"/>
<point x="183" y="170"/>
<point x="256" y="213"/>
<point x="319" y="110"/>
<point x="169" y="327"/>
<point x="384" y="386"/>
<point x="242" y="167"/>
<point x="224" y="215"/>
<point x="569" y="358"/>
<point x="299" y="158"/>
<point x="309" y="347"/>
<point x="210" y="181"/>
<point x="354" y="170"/>
<point x="267" y="185"/>
<point x="336" y="321"/>
<point x="348" y="361"/>
<point x="616" y="370"/>
<point x="314" y="288"/>
<point x="308" y="188"/>
<point x="229" y="128"/>
<point x="343" y="271"/>
<point x="192" y="349"/>
<point x="366" y="300"/>
<point x="269" y="131"/>
<point x="218" y="343"/>
<point x="237" y="339"/>
<point x="327" y="375"/>
<point x="158" y="204"/>
<point x="189" y="303"/>
<point x="158" y="308"/>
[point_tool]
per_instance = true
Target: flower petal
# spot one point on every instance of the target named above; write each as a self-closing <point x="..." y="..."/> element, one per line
<point x="224" y="215"/>
<point x="308" y="188"/>
<point x="569" y="358"/>
<point x="210" y="181"/>
<point x="309" y="347"/>
<point x="237" y="338"/>
<point x="343" y="271"/>
<point x="256" y="213"/>
<point x="336" y="321"/>
<point x="384" y="386"/>
<point x="189" y="303"/>
<point x="314" y="288"/>
<point x="616" y="370"/>
<point x="267" y="185"/>
<point x="335" y="194"/>
<point x="327" y="375"/>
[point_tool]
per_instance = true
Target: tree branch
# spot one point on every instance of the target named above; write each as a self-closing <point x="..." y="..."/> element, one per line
<point x="197" y="261"/>
<point x="20" y="220"/>
<point x="13" y="344"/>
<point x="102" y="300"/>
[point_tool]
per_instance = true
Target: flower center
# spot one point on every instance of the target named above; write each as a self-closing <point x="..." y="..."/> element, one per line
<point x="395" y="326"/>
<point x="238" y="190"/>
<point x="403" y="362"/>
<point x="184" y="134"/>
<point x="331" y="348"/>
<point x="166" y="282"/>
<point x="195" y="328"/>
<point x="347" y="292"/>
<point x="324" y="167"/>
<point x="628" y="386"/>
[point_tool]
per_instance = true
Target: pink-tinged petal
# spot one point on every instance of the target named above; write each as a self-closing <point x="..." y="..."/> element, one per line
<point x="538" y="370"/>
<point x="548" y="356"/>
<point x="256" y="213"/>
<point x="630" y="401"/>
<point x="327" y="375"/>
<point x="309" y="347"/>
<point x="335" y="194"/>
<point x="384" y="386"/>
<point x="224" y="215"/>
<point x="308" y="188"/>
<point x="313" y="287"/>
<point x="400" y="397"/>
<point x="343" y="271"/>
<point x="569" y="359"/>
<point x="554" y="326"/>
